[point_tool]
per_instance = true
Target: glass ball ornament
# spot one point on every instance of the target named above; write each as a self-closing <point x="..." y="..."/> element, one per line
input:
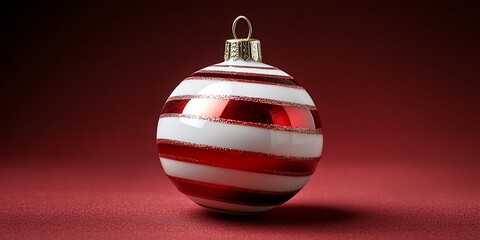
<point x="239" y="136"/>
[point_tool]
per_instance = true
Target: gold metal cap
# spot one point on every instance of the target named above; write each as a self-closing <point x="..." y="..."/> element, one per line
<point x="247" y="49"/>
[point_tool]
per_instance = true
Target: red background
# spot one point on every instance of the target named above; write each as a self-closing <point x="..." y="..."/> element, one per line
<point x="396" y="85"/>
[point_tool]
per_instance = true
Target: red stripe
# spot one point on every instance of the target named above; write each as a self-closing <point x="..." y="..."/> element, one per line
<point x="250" y="124"/>
<point x="286" y="80"/>
<point x="245" y="111"/>
<point x="228" y="194"/>
<point x="236" y="159"/>
<point x="253" y="67"/>
<point x="243" y="98"/>
<point x="243" y="81"/>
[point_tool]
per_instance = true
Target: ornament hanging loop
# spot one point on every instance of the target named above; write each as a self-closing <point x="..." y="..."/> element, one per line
<point x="234" y="27"/>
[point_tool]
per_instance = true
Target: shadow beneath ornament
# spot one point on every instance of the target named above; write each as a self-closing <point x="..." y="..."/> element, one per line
<point x="290" y="215"/>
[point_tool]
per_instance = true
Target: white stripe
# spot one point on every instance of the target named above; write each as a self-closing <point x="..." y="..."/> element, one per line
<point x="245" y="63"/>
<point x="230" y="88"/>
<point x="233" y="178"/>
<point x="246" y="138"/>
<point x="228" y="206"/>
<point x="276" y="72"/>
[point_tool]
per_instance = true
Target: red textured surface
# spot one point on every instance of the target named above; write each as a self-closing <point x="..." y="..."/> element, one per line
<point x="396" y="86"/>
<point x="350" y="201"/>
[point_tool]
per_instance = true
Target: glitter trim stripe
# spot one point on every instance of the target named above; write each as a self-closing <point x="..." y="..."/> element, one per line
<point x="236" y="159"/>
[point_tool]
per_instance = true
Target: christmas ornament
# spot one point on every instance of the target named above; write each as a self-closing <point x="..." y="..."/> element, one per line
<point x="239" y="136"/>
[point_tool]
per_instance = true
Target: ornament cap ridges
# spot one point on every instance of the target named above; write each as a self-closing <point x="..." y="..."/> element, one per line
<point x="243" y="49"/>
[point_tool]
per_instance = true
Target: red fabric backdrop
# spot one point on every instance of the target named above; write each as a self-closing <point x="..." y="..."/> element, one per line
<point x="396" y="85"/>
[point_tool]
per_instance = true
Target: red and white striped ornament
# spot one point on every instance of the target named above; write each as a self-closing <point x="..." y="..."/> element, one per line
<point x="240" y="136"/>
